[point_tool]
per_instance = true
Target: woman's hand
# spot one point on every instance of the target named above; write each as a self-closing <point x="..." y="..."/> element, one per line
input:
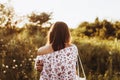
<point x="39" y="65"/>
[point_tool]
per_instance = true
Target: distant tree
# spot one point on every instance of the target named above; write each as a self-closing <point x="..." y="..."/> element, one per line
<point x="117" y="25"/>
<point x="117" y="28"/>
<point x="36" y="22"/>
<point x="83" y="24"/>
<point x="110" y="30"/>
<point x="6" y="15"/>
<point x="39" y="19"/>
<point x="118" y="34"/>
<point x="87" y="29"/>
<point x="79" y="31"/>
<point x="101" y="29"/>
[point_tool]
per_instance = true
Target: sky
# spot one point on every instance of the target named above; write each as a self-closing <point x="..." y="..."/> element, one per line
<point x="73" y="12"/>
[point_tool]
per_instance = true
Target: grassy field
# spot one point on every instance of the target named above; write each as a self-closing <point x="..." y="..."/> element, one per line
<point x="100" y="58"/>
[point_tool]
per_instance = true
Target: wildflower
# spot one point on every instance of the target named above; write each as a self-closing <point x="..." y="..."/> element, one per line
<point x="13" y="67"/>
<point x="16" y="65"/>
<point x="7" y="66"/>
<point x="4" y="71"/>
<point x="20" y="65"/>
<point x="14" y="60"/>
<point x="30" y="59"/>
<point x="3" y="65"/>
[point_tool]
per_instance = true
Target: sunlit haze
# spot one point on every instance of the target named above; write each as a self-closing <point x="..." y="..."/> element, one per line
<point x="71" y="11"/>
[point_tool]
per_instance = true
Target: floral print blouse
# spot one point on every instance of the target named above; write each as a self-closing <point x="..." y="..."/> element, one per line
<point x="59" y="65"/>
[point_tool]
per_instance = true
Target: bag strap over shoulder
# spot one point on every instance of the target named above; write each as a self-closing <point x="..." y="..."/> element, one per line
<point x="79" y="63"/>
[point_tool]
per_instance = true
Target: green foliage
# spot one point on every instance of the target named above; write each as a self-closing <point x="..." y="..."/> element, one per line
<point x="39" y="18"/>
<point x="18" y="47"/>
<point x="100" y="58"/>
<point x="17" y="53"/>
<point x="6" y="15"/>
<point x="101" y="29"/>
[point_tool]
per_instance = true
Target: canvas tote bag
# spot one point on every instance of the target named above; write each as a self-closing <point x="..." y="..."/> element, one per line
<point x="79" y="63"/>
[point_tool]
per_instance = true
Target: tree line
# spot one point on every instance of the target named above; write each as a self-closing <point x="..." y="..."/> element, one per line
<point x="102" y="29"/>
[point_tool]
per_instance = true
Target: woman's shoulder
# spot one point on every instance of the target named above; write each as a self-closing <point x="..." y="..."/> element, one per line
<point x="48" y="49"/>
<point x="72" y="45"/>
<point x="44" y="49"/>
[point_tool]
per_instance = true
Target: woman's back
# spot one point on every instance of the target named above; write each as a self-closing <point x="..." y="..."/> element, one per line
<point x="59" y="65"/>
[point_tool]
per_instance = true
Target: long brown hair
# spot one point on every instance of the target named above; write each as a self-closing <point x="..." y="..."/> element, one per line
<point x="59" y="35"/>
